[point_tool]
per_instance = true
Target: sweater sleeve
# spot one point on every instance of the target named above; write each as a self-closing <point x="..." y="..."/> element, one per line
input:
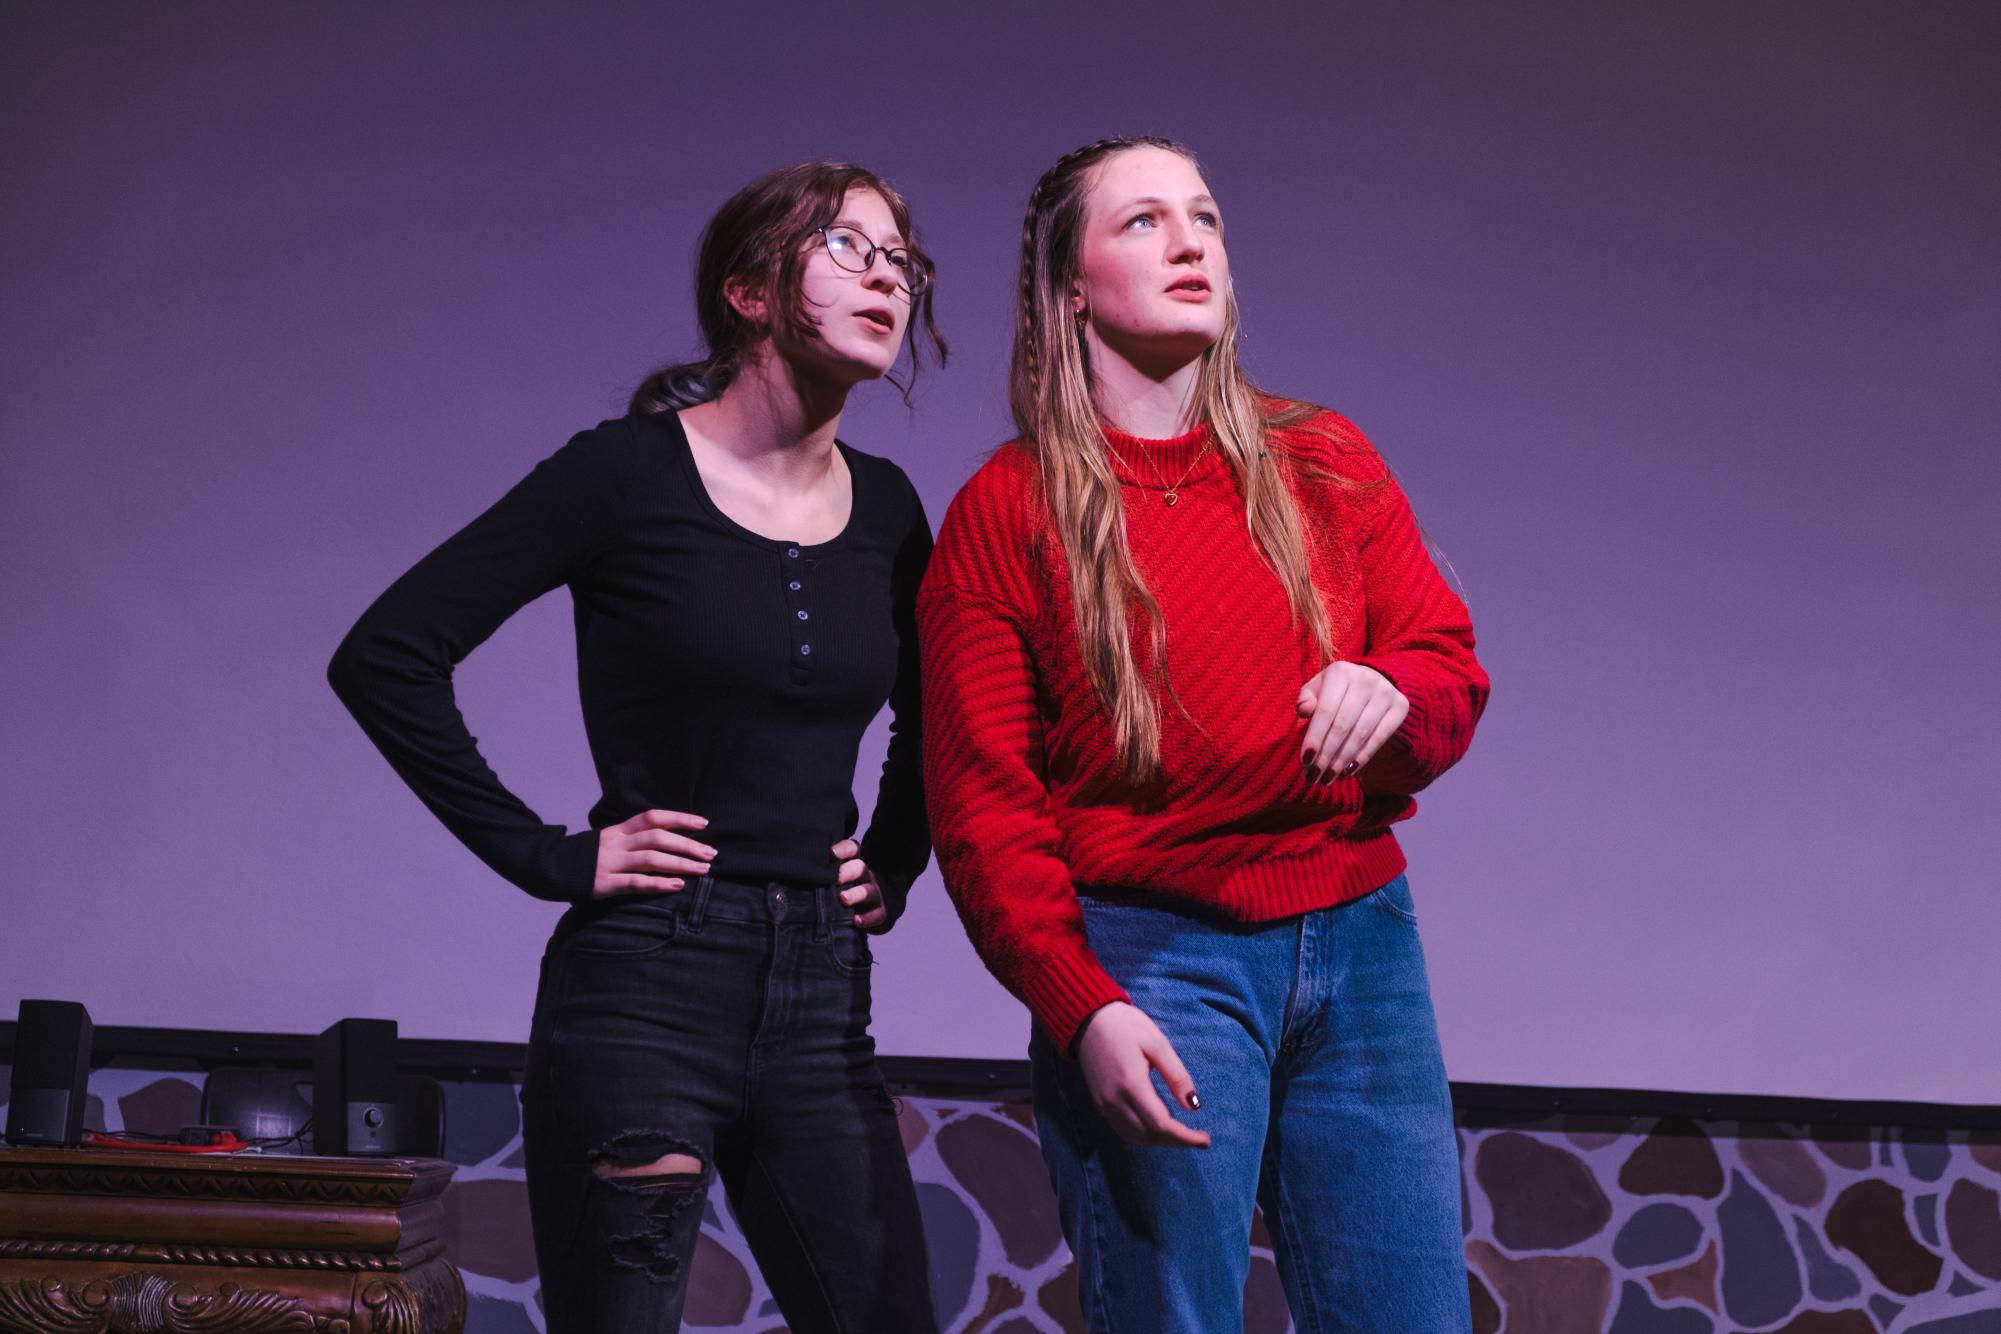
<point x="998" y="847"/>
<point x="393" y="671"/>
<point x="898" y="842"/>
<point x="1420" y="637"/>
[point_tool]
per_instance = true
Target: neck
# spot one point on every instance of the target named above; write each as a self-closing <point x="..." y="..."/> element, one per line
<point x="773" y="420"/>
<point x="1151" y="402"/>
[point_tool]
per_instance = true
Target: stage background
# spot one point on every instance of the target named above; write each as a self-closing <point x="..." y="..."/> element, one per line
<point x="1680" y="324"/>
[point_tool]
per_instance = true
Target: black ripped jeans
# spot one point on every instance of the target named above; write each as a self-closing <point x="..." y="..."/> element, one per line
<point x="730" y="1023"/>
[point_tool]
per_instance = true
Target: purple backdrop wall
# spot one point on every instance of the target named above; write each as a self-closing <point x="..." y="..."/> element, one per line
<point x="1680" y="323"/>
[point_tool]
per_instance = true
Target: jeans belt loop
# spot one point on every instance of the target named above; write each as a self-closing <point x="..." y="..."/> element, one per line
<point x="703" y="887"/>
<point x="821" y="894"/>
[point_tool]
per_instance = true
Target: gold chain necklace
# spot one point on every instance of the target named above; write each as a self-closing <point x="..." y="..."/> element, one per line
<point x="1173" y="493"/>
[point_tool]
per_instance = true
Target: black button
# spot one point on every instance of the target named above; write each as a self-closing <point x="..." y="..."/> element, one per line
<point x="805" y="650"/>
<point x="792" y="551"/>
<point x="802" y="613"/>
<point x="794" y="585"/>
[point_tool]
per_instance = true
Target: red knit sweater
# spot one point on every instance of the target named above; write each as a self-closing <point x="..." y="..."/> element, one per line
<point x="1025" y="798"/>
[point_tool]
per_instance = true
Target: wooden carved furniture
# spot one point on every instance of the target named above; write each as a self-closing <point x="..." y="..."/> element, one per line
<point x="108" y="1241"/>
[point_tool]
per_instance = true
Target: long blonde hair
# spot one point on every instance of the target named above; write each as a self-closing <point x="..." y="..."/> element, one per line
<point x="1050" y="391"/>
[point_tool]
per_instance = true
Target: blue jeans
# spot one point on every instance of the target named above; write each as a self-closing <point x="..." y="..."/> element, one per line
<point x="728" y="1023"/>
<point x="1312" y="1044"/>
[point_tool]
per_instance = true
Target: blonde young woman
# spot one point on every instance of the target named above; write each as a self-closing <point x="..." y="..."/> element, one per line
<point x="1185" y="662"/>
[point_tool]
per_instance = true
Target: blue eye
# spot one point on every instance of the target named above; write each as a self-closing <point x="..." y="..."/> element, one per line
<point x="1209" y="218"/>
<point x="1144" y="217"/>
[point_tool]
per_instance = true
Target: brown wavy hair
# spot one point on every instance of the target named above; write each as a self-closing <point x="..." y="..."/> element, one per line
<point x="1050" y="389"/>
<point x="759" y="236"/>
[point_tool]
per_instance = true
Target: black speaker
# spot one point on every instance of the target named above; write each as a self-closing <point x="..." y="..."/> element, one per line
<point x="45" y="1097"/>
<point x="355" y="1089"/>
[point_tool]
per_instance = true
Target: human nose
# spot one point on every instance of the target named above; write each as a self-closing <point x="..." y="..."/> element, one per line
<point x="1184" y="241"/>
<point x="880" y="274"/>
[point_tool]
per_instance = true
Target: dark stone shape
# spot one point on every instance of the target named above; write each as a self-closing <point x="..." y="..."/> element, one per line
<point x="1868" y="1220"/>
<point x="1595" y="1132"/>
<point x="1638" y="1315"/>
<point x="1692" y="1282"/>
<point x="1826" y="1277"/>
<point x="1059" y="1301"/>
<point x="718" y="1286"/>
<point x="1017" y="1325"/>
<point x="1003" y="1295"/>
<point x="1782" y="1164"/>
<point x="1962" y="1286"/>
<point x="479" y="1120"/>
<point x="1543" y="1198"/>
<point x="709" y="1214"/>
<point x="1984" y="1147"/>
<point x="770" y="1307"/>
<point x="1968" y="1322"/>
<point x="517" y="1160"/>
<point x="952" y="1235"/>
<point x="1486" y="1311"/>
<point x="485" y="1229"/>
<point x="1265" y="1310"/>
<point x="910" y="1124"/>
<point x="491" y="1315"/>
<point x="1884" y="1309"/>
<point x="1655" y="1235"/>
<point x="1828" y="1322"/>
<point x="93" y="1112"/>
<point x="1550" y="1294"/>
<point x="161" y="1108"/>
<point x="1003" y="1170"/>
<point x="1926" y="1154"/>
<point x="1925" y="1209"/>
<point x="1973" y="1223"/>
<point x="1761" y="1276"/>
<point x="1676" y="1159"/>
<point x="1021" y="1113"/>
<point x="1842" y="1146"/>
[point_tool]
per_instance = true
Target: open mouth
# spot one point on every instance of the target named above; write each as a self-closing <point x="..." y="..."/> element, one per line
<point x="880" y="319"/>
<point x="1191" y="285"/>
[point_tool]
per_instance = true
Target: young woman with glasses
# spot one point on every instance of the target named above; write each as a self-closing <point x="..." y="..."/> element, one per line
<point x="745" y="589"/>
<point x="1186" y="660"/>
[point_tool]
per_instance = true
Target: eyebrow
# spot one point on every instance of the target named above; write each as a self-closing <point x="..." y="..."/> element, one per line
<point x="1152" y="199"/>
<point x="895" y="237"/>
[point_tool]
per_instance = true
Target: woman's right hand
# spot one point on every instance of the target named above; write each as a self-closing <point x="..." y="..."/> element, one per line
<point x="644" y="855"/>
<point x="1119" y="1049"/>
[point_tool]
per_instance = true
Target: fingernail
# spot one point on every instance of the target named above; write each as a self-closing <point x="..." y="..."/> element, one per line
<point x="1348" y="768"/>
<point x="674" y="884"/>
<point x="1194" y="1100"/>
<point x="709" y="853"/>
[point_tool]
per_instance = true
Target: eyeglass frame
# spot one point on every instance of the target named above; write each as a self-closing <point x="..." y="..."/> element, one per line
<point x="916" y="260"/>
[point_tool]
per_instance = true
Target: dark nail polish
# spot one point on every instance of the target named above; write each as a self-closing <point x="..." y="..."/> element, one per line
<point x="1194" y="1100"/>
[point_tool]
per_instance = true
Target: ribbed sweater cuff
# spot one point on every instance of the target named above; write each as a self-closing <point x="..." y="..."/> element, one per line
<point x="1065" y="991"/>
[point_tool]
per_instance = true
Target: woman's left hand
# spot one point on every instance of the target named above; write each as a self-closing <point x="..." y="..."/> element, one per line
<point x="1351" y="711"/>
<point x="859" y="888"/>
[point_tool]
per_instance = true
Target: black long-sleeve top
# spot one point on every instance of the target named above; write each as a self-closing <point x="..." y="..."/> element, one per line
<point x="723" y="673"/>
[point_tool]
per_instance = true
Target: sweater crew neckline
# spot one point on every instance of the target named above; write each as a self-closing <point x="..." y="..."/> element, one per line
<point x="1164" y="465"/>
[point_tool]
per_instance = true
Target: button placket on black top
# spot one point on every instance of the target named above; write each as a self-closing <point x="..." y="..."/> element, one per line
<point x="793" y="568"/>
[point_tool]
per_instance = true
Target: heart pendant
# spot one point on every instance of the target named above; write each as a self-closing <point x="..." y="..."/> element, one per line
<point x="1172" y="500"/>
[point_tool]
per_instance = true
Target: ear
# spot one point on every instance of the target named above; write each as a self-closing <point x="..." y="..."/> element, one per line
<point x="746" y="298"/>
<point x="1077" y="303"/>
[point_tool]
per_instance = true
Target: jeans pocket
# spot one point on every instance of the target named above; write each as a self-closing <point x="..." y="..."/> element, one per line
<point x="634" y="930"/>
<point x="848" y="947"/>
<point x="1394" y="899"/>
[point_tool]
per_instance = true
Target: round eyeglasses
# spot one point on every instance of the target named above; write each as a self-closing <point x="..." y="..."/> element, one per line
<point x="856" y="253"/>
